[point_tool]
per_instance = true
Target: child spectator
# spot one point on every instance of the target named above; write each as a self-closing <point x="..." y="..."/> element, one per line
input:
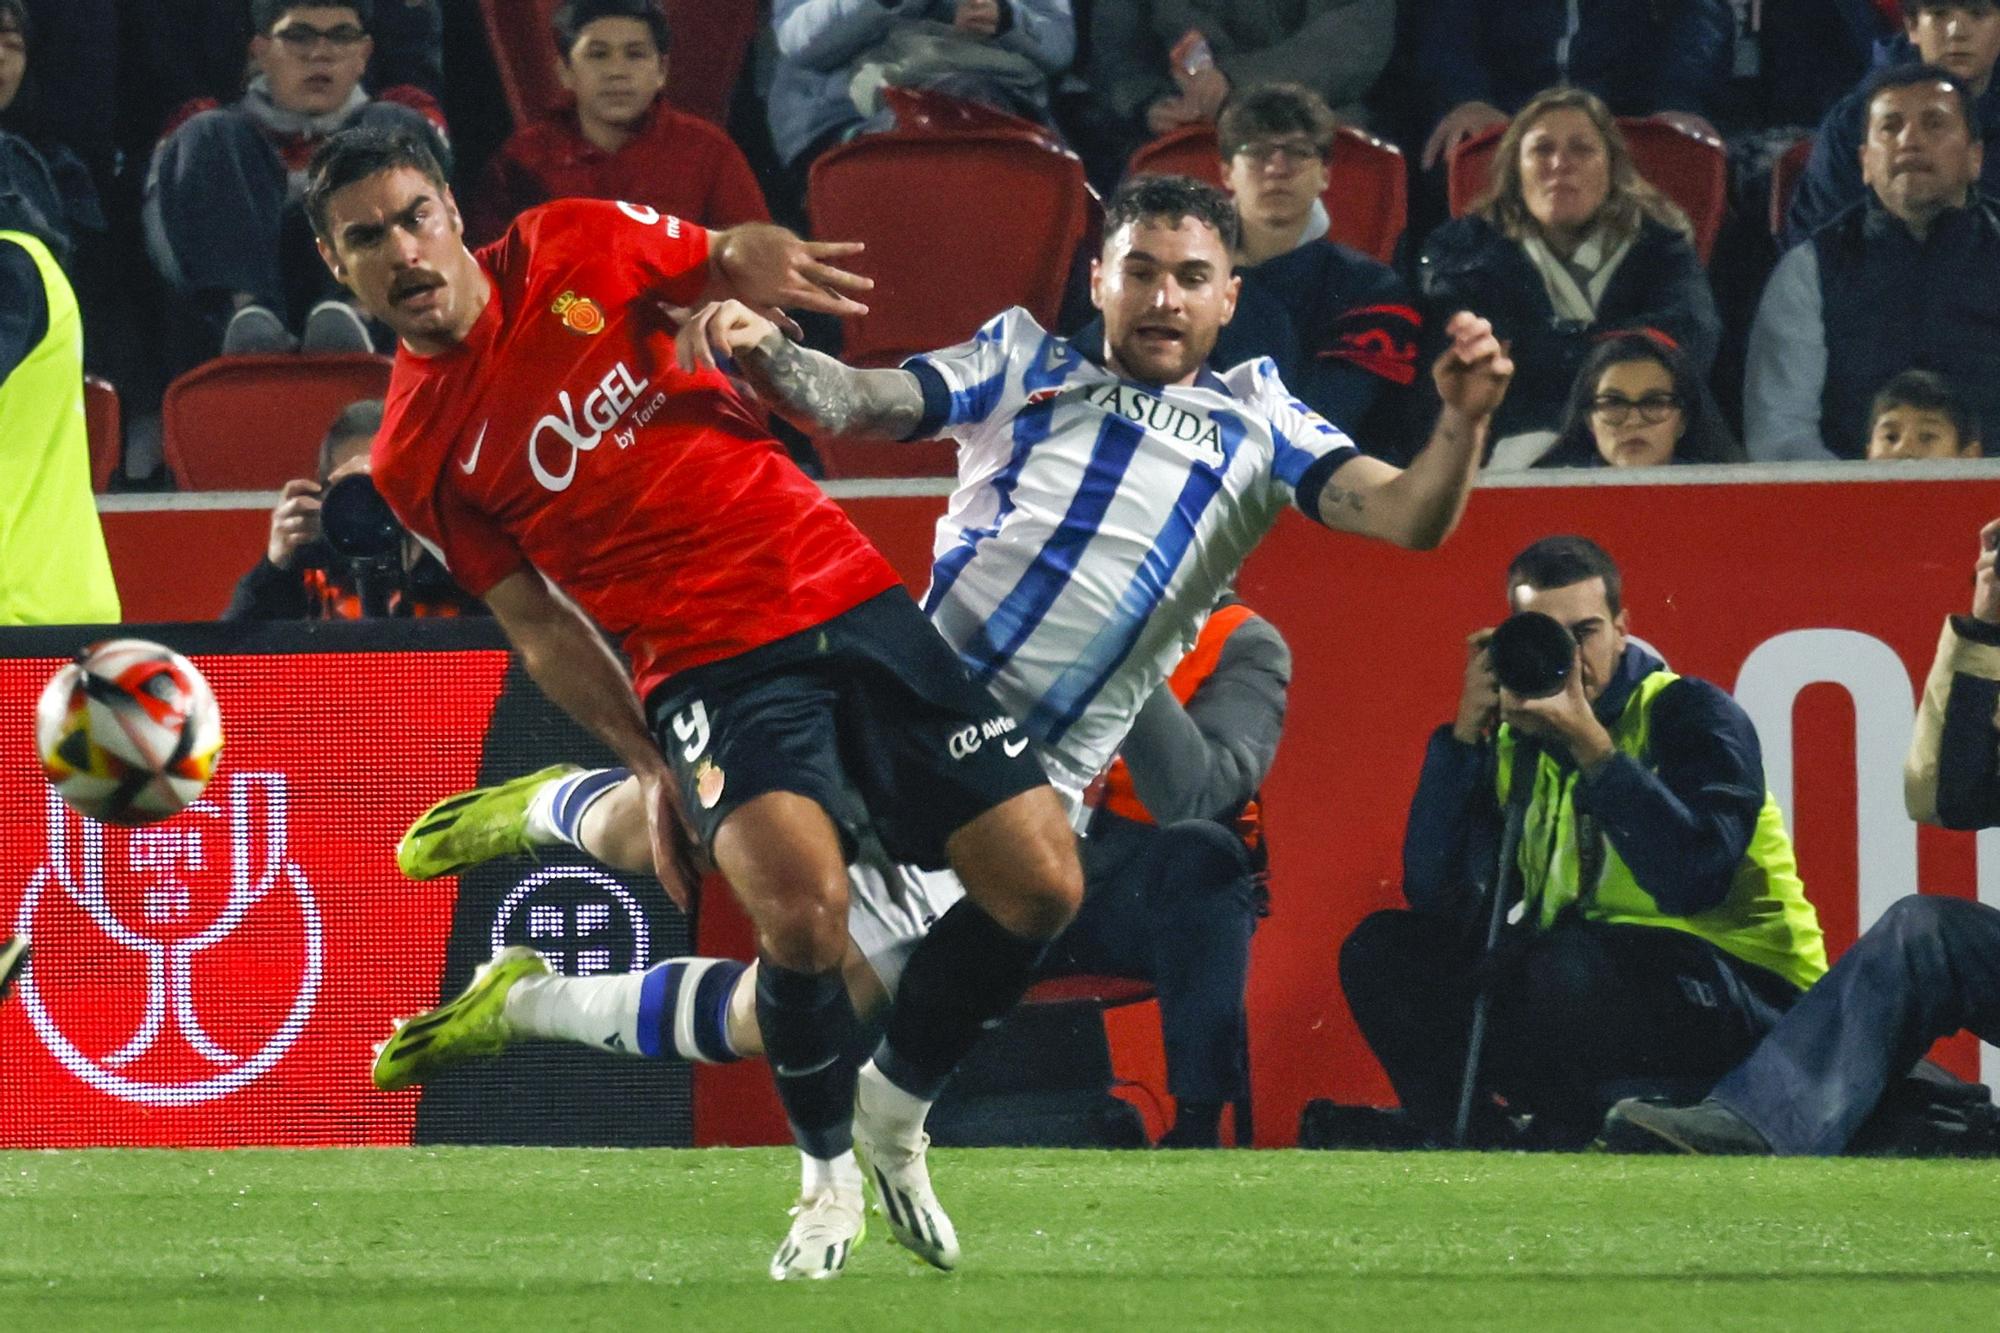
<point x="1919" y="415"/>
<point x="1638" y="403"/>
<point x="223" y="217"/>
<point x="620" y="140"/>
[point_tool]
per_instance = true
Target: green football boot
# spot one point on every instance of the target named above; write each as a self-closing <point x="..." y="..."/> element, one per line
<point x="465" y="1028"/>
<point x="473" y="826"/>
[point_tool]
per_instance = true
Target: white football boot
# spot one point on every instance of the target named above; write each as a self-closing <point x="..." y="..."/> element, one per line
<point x="825" y="1230"/>
<point x="893" y="1157"/>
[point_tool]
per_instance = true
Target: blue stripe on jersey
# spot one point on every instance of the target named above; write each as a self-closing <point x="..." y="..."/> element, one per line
<point x="1032" y="425"/>
<point x="1030" y="599"/>
<point x="1066" y="700"/>
<point x="973" y="405"/>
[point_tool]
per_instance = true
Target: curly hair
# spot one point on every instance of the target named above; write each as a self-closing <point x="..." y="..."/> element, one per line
<point x="1173" y="198"/>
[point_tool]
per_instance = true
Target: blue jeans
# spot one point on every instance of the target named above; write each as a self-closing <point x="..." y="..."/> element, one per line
<point x="1929" y="967"/>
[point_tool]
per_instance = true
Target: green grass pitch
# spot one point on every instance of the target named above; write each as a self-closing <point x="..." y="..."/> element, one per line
<point x="574" y="1239"/>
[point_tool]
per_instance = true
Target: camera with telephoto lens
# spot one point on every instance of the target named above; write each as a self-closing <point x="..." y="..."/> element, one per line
<point x="1532" y="654"/>
<point x="361" y="528"/>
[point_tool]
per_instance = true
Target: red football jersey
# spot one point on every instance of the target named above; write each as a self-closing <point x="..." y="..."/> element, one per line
<point x="561" y="433"/>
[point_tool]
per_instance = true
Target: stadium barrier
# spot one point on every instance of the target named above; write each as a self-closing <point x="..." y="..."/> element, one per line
<point x="1815" y="595"/>
<point x="221" y="978"/>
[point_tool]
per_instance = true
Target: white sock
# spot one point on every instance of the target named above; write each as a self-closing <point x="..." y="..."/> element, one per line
<point x="888" y="1106"/>
<point x="817" y="1175"/>
<point x="595" y="1011"/>
<point x="556" y="810"/>
<point x="540" y="818"/>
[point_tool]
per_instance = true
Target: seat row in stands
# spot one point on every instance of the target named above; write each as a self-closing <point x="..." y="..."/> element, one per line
<point x="964" y="213"/>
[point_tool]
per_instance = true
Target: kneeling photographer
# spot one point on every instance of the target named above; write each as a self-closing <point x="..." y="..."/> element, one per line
<point x="335" y="550"/>
<point x="1656" y="927"/>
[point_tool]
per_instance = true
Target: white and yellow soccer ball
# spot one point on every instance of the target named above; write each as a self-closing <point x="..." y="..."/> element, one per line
<point x="129" y="732"/>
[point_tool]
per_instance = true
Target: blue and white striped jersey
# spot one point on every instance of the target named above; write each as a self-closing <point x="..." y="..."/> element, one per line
<point x="1096" y="520"/>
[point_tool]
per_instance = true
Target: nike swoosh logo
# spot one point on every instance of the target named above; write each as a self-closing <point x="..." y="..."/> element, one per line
<point x="1015" y="746"/>
<point x="472" y="460"/>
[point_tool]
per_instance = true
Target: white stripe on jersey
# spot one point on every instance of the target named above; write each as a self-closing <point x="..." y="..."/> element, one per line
<point x="1096" y="521"/>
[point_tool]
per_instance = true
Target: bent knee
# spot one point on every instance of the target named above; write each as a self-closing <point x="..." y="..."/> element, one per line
<point x="805" y="931"/>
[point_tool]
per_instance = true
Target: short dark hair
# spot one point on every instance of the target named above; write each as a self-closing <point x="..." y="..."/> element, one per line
<point x="1174" y="198"/>
<point x="264" y="14"/>
<point x="1908" y="75"/>
<point x="566" y="25"/>
<point x="363" y="417"/>
<point x="356" y="154"/>
<point x="1274" y="108"/>
<point x="1927" y="391"/>
<point x="1558" y="562"/>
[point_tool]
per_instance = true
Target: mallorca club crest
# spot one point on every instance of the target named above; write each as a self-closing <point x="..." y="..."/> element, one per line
<point x="579" y="314"/>
<point x="176" y="963"/>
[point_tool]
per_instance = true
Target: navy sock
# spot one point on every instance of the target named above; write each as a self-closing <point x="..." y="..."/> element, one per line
<point x="684" y="1010"/>
<point x="808" y="1024"/>
<point x="965" y="975"/>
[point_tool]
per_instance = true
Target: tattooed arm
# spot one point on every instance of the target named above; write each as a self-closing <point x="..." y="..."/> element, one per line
<point x="810" y="389"/>
<point x="1418" y="506"/>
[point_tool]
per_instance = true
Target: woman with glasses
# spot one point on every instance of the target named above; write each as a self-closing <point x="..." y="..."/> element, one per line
<point x="1638" y="403"/>
<point x="1567" y="244"/>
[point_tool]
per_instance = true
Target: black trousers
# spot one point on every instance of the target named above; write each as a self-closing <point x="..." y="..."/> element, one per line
<point x="1582" y="1015"/>
<point x="1176" y="907"/>
<point x="1929" y="967"/>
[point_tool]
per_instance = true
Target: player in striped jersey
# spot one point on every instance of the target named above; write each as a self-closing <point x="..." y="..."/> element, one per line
<point x="1105" y="497"/>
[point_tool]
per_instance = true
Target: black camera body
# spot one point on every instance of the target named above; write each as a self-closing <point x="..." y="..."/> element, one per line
<point x="357" y="522"/>
<point x="1532" y="654"/>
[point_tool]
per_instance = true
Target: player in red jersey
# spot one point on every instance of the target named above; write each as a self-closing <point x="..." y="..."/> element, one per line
<point x="798" y="709"/>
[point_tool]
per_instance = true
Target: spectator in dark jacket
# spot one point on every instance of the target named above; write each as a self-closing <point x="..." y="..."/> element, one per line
<point x="1907" y="279"/>
<point x="26" y="112"/>
<point x="1959" y="36"/>
<point x="1638" y="403"/>
<point x="1480" y="61"/>
<point x="620" y="139"/>
<point x="1342" y="326"/>
<point x="301" y="577"/>
<point x="1568" y="244"/>
<point x="224" y="224"/>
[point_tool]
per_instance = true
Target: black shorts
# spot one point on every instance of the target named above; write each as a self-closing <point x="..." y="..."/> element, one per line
<point x="871" y="714"/>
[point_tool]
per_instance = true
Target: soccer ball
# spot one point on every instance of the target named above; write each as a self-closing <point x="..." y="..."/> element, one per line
<point x="128" y="732"/>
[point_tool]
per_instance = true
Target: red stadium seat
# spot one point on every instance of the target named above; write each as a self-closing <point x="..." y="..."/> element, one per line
<point x="1690" y="169"/>
<point x="1367" y="191"/>
<point x="252" y="423"/>
<point x="710" y="40"/>
<point x="1785" y="173"/>
<point x="106" y="428"/>
<point x="960" y="225"/>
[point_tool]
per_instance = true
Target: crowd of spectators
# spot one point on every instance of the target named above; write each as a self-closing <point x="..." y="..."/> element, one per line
<point x="177" y="131"/>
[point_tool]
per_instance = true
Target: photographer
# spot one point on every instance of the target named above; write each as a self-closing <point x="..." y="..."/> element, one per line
<point x="1929" y="967"/>
<point x="1661" y="927"/>
<point x="370" y="567"/>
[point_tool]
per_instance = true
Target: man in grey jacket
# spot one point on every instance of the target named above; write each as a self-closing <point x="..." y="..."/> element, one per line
<point x="1908" y="279"/>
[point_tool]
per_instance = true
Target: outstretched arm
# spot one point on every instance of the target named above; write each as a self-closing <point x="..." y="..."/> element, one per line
<point x="1418" y="506"/>
<point x="810" y="389"/>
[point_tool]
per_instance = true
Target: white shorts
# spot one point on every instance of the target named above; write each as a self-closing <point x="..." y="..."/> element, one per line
<point x="890" y="908"/>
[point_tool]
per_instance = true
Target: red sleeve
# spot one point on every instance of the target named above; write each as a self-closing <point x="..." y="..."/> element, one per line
<point x="471" y="545"/>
